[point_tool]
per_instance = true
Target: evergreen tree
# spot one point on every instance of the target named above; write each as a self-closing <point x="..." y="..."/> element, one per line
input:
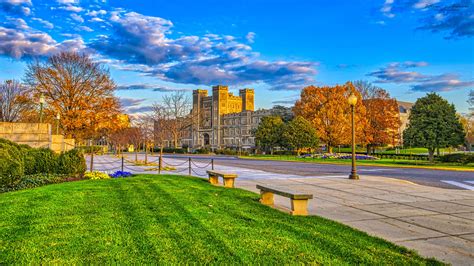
<point x="433" y="124"/>
<point x="299" y="133"/>
<point x="268" y="133"/>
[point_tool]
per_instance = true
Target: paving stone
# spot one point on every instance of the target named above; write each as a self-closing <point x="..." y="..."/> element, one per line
<point x="443" y="222"/>
<point x="467" y="215"/>
<point x="397" y="197"/>
<point x="393" y="229"/>
<point x="442" y="206"/>
<point x="394" y="210"/>
<point x="453" y="250"/>
<point x="344" y="213"/>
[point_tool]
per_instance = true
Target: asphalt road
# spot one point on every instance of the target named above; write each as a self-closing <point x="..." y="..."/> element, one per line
<point x="436" y="178"/>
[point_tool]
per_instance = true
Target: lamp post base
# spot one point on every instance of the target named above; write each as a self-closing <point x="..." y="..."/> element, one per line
<point x="354" y="176"/>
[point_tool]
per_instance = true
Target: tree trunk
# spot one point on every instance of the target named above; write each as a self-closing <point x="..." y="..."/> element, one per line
<point x="136" y="152"/>
<point x="431" y="154"/>
<point x="146" y="154"/>
<point x="298" y="152"/>
<point x="368" y="149"/>
<point x="329" y="149"/>
<point x="437" y="151"/>
<point x="271" y="150"/>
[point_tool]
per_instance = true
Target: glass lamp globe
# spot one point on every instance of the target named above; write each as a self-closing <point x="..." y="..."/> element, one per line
<point x="352" y="100"/>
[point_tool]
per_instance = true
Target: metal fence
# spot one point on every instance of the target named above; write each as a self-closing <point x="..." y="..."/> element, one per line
<point x="191" y="166"/>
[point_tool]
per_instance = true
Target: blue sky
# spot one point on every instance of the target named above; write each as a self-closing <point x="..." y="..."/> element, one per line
<point x="409" y="47"/>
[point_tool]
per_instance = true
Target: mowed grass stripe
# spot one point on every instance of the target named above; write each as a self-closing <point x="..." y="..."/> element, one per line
<point x="173" y="219"/>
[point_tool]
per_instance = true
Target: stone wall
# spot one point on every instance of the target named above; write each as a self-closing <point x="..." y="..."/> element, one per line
<point x="36" y="135"/>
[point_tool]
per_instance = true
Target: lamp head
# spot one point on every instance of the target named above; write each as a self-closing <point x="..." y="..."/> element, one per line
<point x="352" y="100"/>
<point x="41" y="99"/>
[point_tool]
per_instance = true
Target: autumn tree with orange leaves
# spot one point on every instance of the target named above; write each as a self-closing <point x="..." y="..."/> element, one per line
<point x="329" y="112"/>
<point x="382" y="115"/>
<point x="80" y="90"/>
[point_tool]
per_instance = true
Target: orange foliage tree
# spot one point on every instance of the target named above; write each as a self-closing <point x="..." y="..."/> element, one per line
<point x="80" y="90"/>
<point x="383" y="116"/>
<point x="329" y="112"/>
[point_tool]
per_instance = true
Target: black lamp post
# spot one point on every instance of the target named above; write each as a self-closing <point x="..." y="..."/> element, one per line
<point x="352" y="100"/>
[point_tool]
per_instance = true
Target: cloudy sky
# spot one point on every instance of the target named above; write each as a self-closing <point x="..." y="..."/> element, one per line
<point x="409" y="47"/>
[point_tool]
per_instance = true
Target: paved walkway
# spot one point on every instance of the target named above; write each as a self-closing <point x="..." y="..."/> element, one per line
<point x="436" y="222"/>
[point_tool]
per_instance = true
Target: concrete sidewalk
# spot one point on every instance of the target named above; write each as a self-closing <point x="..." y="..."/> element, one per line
<point x="434" y="221"/>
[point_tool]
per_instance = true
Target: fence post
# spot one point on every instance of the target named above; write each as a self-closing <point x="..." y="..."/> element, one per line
<point x="189" y="162"/>
<point x="159" y="165"/>
<point x="122" y="163"/>
<point x="212" y="164"/>
<point x="92" y="161"/>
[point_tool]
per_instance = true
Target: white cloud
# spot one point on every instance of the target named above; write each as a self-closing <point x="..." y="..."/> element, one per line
<point x="71" y="8"/>
<point x="95" y="13"/>
<point x="77" y="18"/>
<point x="250" y="37"/>
<point x="45" y="23"/>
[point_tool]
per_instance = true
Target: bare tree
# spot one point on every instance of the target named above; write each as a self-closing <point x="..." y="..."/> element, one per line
<point x="15" y="100"/>
<point x="177" y="110"/>
<point x="161" y="123"/>
<point x="145" y="123"/>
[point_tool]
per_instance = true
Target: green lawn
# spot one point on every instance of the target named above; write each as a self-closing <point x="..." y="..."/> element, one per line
<point x="380" y="162"/>
<point x="173" y="219"/>
<point x="391" y="151"/>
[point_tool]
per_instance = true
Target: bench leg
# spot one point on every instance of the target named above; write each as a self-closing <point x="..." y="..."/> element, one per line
<point x="229" y="182"/>
<point x="299" y="207"/>
<point x="266" y="198"/>
<point x="213" y="179"/>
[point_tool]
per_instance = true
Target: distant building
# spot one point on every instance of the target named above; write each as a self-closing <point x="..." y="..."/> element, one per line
<point x="404" y="110"/>
<point x="223" y="120"/>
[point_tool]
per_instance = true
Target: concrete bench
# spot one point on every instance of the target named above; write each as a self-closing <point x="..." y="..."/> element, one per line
<point x="299" y="201"/>
<point x="228" y="178"/>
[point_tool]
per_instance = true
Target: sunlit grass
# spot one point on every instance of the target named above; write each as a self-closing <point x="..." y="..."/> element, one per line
<point x="173" y="219"/>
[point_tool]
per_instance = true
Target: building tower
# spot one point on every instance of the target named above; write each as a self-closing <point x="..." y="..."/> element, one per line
<point x="247" y="96"/>
<point x="220" y="94"/>
<point x="198" y="96"/>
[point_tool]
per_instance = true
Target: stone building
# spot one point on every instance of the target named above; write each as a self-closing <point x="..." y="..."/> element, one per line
<point x="404" y="110"/>
<point x="222" y="120"/>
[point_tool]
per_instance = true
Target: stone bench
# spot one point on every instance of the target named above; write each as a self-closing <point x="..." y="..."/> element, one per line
<point x="228" y="178"/>
<point x="299" y="201"/>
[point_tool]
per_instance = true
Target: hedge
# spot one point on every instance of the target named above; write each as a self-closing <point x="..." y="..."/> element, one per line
<point x="12" y="166"/>
<point x="18" y="161"/>
<point x="72" y="162"/>
<point x="462" y="158"/>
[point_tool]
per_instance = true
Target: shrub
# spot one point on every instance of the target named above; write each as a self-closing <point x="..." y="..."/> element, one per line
<point x="201" y="151"/>
<point x="72" y="162"/>
<point x="96" y="175"/>
<point x="462" y="158"/>
<point x="90" y="149"/>
<point x="32" y="181"/>
<point x="45" y="161"/>
<point x="11" y="163"/>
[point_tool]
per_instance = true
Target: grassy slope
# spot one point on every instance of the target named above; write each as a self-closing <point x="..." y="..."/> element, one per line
<point x="172" y="219"/>
<point x="380" y="162"/>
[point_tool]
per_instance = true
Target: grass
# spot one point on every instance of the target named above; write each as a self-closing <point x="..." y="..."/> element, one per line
<point x="380" y="162"/>
<point x="392" y="151"/>
<point x="173" y="219"/>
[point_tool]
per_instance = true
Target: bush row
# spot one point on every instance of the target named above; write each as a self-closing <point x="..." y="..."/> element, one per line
<point x="462" y="158"/>
<point x="17" y="161"/>
<point x="36" y="180"/>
